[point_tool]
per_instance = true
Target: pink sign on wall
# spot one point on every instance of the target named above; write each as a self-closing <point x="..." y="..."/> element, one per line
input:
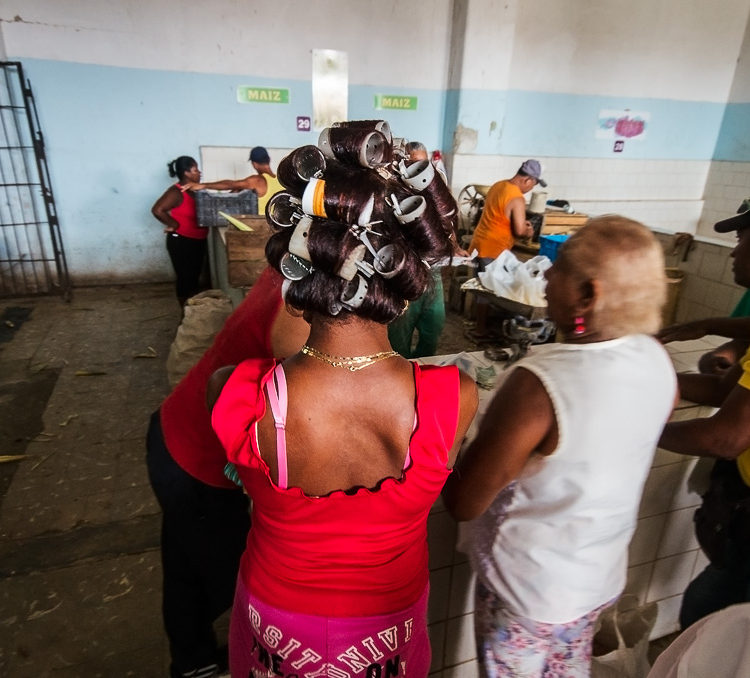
<point x="624" y="124"/>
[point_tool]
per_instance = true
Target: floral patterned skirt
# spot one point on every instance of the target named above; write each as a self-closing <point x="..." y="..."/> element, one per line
<point x="512" y="646"/>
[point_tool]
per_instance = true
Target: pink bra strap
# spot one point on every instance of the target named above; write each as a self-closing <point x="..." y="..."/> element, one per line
<point x="278" y="401"/>
<point x="407" y="459"/>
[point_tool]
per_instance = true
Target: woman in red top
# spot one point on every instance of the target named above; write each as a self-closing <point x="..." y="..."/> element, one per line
<point x="186" y="241"/>
<point x="344" y="446"/>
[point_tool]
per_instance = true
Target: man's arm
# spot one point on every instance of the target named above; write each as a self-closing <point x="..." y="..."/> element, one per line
<point x="723" y="357"/>
<point x="518" y="224"/>
<point x="726" y="434"/>
<point x="254" y="182"/>
<point x="708" y="389"/>
<point x="732" y="328"/>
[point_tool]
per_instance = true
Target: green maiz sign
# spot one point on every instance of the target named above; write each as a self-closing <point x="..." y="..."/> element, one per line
<point x="395" y="101"/>
<point x="262" y="95"/>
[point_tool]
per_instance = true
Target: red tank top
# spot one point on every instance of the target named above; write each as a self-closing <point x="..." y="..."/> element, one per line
<point x="185" y="419"/>
<point x="344" y="554"/>
<point x="186" y="216"/>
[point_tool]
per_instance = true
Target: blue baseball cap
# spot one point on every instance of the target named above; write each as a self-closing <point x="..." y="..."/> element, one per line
<point x="260" y="155"/>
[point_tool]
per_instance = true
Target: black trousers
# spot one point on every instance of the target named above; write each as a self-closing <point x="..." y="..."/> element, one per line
<point x="204" y="530"/>
<point x="722" y="525"/>
<point x="187" y="256"/>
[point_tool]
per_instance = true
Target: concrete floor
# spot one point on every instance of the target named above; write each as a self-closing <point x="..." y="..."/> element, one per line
<point x="80" y="576"/>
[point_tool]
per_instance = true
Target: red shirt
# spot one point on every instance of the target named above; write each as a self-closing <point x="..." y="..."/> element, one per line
<point x="186" y="216"/>
<point x="185" y="419"/>
<point x="343" y="554"/>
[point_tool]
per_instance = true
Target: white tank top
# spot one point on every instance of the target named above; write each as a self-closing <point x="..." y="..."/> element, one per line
<point x="554" y="547"/>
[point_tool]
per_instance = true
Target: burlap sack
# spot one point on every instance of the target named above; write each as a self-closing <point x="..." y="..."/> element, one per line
<point x="205" y="314"/>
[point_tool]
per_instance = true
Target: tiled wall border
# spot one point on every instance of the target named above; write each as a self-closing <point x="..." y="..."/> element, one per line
<point x="708" y="288"/>
<point x="666" y="195"/>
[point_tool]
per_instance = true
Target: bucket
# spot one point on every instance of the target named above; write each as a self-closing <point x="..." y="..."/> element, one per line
<point x="674" y="280"/>
<point x="538" y="202"/>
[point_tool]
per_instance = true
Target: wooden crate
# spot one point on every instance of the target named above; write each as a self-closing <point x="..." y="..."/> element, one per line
<point x="561" y="222"/>
<point x="246" y="251"/>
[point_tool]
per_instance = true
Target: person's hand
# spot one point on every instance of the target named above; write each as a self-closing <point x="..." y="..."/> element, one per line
<point x="714" y="363"/>
<point x="170" y="229"/>
<point x="529" y="229"/>
<point x="191" y="186"/>
<point x="682" y="332"/>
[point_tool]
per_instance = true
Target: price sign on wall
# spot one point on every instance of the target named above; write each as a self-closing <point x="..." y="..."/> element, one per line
<point x="262" y="95"/>
<point x="303" y="123"/>
<point x="395" y="101"/>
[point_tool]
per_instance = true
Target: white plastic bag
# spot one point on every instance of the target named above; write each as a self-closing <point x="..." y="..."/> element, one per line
<point x="716" y="646"/>
<point x="621" y="639"/>
<point x="523" y="282"/>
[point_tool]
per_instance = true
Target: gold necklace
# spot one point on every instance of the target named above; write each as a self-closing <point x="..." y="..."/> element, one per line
<point x="351" y="363"/>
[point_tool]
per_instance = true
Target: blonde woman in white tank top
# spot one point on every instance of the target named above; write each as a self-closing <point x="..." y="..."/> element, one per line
<point x="555" y="474"/>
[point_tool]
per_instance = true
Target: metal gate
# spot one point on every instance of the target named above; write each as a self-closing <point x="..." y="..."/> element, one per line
<point x="32" y="259"/>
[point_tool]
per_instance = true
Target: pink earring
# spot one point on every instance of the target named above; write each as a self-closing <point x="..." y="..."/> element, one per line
<point x="580" y="326"/>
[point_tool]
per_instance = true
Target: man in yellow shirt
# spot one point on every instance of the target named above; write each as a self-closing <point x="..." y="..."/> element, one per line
<point x="504" y="215"/>
<point x="723" y="520"/>
<point x="264" y="183"/>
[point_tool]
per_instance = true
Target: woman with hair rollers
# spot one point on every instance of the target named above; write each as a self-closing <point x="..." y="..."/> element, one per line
<point x="344" y="446"/>
<point x="186" y="242"/>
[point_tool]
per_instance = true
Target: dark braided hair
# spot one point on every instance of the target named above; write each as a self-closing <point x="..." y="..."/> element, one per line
<point x="179" y="166"/>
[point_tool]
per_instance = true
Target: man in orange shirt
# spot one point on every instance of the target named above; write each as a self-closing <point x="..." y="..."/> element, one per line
<point x="504" y="215"/>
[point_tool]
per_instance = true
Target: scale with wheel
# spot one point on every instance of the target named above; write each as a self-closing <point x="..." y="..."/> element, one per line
<point x="470" y="205"/>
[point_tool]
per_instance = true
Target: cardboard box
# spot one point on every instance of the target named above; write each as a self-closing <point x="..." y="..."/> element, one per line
<point x="246" y="251"/>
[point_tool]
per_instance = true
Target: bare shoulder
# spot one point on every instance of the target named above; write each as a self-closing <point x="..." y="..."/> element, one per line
<point x="257" y="183"/>
<point x="521" y="394"/>
<point x="469" y="394"/>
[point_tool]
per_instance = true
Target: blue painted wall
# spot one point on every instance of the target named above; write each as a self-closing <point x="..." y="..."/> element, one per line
<point x="734" y="138"/>
<point x="110" y="132"/>
<point x="564" y="125"/>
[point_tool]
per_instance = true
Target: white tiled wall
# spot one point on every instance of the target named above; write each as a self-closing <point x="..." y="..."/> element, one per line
<point x="727" y="185"/>
<point x="664" y="194"/>
<point x="708" y="288"/>
<point x="663" y="556"/>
